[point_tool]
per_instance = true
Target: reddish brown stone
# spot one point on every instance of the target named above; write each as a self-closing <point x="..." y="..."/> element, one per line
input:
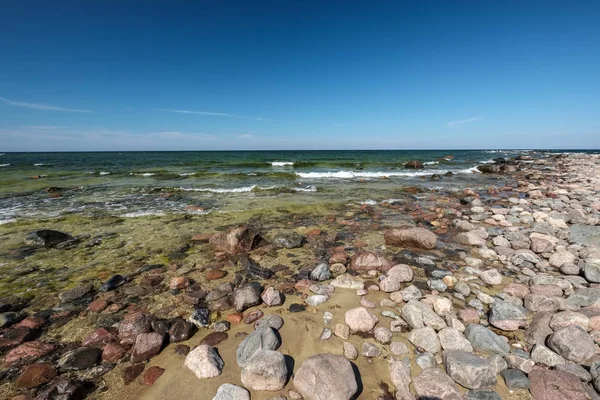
<point x="469" y="316"/>
<point x="32" y="323"/>
<point x="15" y="336"/>
<point x="28" y="352"/>
<point x="202" y="237"/>
<point x="182" y="349"/>
<point x="236" y="240"/>
<point x="151" y="280"/>
<point x="365" y="261"/>
<point x="214" y="274"/>
<point x="113" y="352"/>
<point x="214" y="338"/>
<point x="97" y="305"/>
<point x="553" y="385"/>
<point x="341" y="258"/>
<point x="314" y="232"/>
<point x="151" y="375"/>
<point x="303" y="284"/>
<point x="234" y="318"/>
<point x="21" y="397"/>
<point x="179" y="282"/>
<point x="113" y="308"/>
<point x="35" y="375"/>
<point x="146" y="346"/>
<point x="60" y="315"/>
<point x="132" y="372"/>
<point x="99" y="336"/>
<point x="252" y="316"/>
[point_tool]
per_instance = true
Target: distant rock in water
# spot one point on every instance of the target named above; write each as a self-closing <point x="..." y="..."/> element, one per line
<point x="413" y="164"/>
<point x="47" y="238"/>
<point x="112" y="283"/>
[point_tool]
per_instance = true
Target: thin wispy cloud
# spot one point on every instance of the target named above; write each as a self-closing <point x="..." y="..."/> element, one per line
<point x="43" y="107"/>
<point x="463" y="121"/>
<point x="216" y="114"/>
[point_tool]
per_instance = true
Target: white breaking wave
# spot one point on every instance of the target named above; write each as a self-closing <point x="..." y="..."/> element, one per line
<point x="305" y="189"/>
<point x="39" y="164"/>
<point x="368" y="202"/>
<point x="7" y="221"/>
<point x="144" y="174"/>
<point x="104" y="173"/>
<point x="187" y="174"/>
<point x="218" y="190"/>
<point x="490" y="161"/>
<point x="431" y="162"/>
<point x="282" y="163"/>
<point x="363" y="174"/>
<point x="143" y="214"/>
<point x="4" y="165"/>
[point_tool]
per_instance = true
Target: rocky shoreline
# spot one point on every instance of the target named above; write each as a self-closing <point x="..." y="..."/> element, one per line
<point x="475" y="294"/>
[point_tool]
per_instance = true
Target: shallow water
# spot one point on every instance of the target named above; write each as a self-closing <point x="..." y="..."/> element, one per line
<point x="132" y="184"/>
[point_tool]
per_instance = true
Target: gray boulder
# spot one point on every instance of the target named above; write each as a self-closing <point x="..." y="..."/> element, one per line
<point x="469" y="370"/>
<point x="484" y="340"/>
<point x="227" y="391"/>
<point x="263" y="338"/>
<point x="433" y="383"/>
<point x="265" y="370"/>
<point x="247" y="296"/>
<point x="573" y="343"/>
<point x="325" y="377"/>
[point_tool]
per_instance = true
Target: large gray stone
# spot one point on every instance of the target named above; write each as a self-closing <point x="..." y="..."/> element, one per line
<point x="360" y="320"/>
<point x="263" y="338"/>
<point x="419" y="315"/>
<point x="591" y="271"/>
<point x="227" y="391"/>
<point x="573" y="343"/>
<point x="247" y="296"/>
<point x="507" y="317"/>
<point x="265" y="370"/>
<point x="433" y="383"/>
<point x="325" y="377"/>
<point x="426" y="339"/>
<point x="543" y="355"/>
<point x="452" y="339"/>
<point x="484" y="340"/>
<point x="469" y="370"/>
<point x="400" y="377"/>
<point x="515" y="379"/>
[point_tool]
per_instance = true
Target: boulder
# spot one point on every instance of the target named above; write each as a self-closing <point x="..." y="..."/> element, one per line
<point x="572" y="343"/>
<point x="146" y="346"/>
<point x="325" y="377"/>
<point x="486" y="341"/>
<point x="507" y="317"/>
<point x="491" y="277"/>
<point x="426" y="339"/>
<point x="78" y="359"/>
<point x="75" y="293"/>
<point x="272" y="297"/>
<point x="132" y="325"/>
<point x="360" y="320"/>
<point x="241" y="239"/>
<point x="469" y="370"/>
<point x="553" y="385"/>
<point x="401" y="273"/>
<point x="321" y="273"/>
<point x="365" y="261"/>
<point x="247" y="296"/>
<point x="227" y="391"/>
<point x="452" y="339"/>
<point x="543" y="355"/>
<point x="410" y="237"/>
<point x="418" y="315"/>
<point x="469" y="239"/>
<point x="265" y="370"/>
<point x="47" y="238"/>
<point x="433" y="383"/>
<point x="204" y="362"/>
<point x="263" y="338"/>
<point x="400" y="377"/>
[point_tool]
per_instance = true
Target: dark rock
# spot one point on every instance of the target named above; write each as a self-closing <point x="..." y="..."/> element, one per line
<point x="15" y="336"/>
<point x="200" y="317"/>
<point x="482" y="395"/>
<point x="131" y="372"/>
<point x="75" y="293"/>
<point x="63" y="389"/>
<point x="160" y="326"/>
<point x="182" y="349"/>
<point x="8" y="318"/>
<point x="515" y="379"/>
<point x="82" y="358"/>
<point x="47" y="238"/>
<point x="180" y="331"/>
<point x="489" y="169"/>
<point x="288" y="240"/>
<point x="222" y="304"/>
<point x="253" y="270"/>
<point x="294" y="308"/>
<point x="413" y="164"/>
<point x="214" y="338"/>
<point x="112" y="283"/>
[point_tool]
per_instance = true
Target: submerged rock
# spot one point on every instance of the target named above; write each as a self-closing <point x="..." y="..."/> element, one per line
<point x="47" y="238"/>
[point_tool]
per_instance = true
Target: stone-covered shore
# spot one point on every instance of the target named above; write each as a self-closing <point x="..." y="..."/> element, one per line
<point x="488" y="293"/>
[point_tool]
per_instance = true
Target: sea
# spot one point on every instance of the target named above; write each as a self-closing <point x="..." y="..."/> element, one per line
<point x="137" y="184"/>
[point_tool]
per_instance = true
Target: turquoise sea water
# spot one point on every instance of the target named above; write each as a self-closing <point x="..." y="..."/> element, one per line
<point x="142" y="183"/>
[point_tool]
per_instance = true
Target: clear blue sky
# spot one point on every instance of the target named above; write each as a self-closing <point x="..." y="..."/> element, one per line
<point x="194" y="75"/>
